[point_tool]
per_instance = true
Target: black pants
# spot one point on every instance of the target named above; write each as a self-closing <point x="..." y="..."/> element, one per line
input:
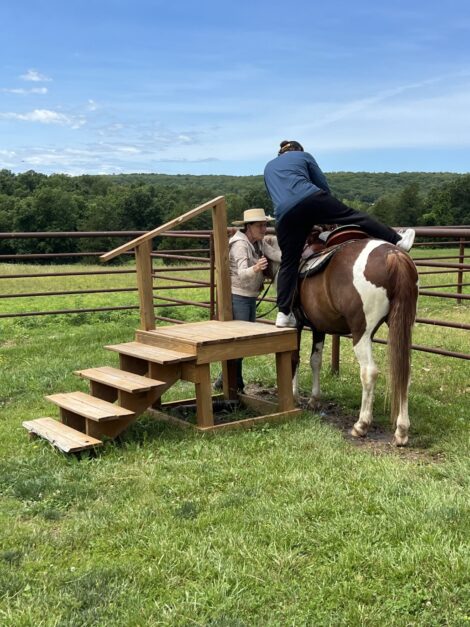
<point x="296" y="224"/>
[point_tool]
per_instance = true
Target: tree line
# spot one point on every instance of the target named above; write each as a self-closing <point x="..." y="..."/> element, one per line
<point x="35" y="202"/>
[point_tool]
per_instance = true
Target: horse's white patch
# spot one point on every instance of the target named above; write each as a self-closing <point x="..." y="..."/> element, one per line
<point x="374" y="299"/>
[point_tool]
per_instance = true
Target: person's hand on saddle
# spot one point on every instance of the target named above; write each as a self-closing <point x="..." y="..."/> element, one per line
<point x="261" y="264"/>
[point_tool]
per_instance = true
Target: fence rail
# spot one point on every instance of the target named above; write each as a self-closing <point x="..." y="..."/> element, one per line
<point x="189" y="263"/>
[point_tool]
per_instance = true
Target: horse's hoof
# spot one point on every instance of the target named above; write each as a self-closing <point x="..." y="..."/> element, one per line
<point x="313" y="404"/>
<point x="400" y="440"/>
<point x="358" y="432"/>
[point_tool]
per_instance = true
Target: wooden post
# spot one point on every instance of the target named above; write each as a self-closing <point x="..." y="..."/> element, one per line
<point x="205" y="417"/>
<point x="143" y="262"/>
<point x="224" y="288"/>
<point x="229" y="378"/>
<point x="224" y="292"/>
<point x="284" y="381"/>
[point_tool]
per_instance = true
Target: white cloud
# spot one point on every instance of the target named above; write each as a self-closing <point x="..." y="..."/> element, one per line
<point x="45" y="116"/>
<point x="20" y="90"/>
<point x="34" y="75"/>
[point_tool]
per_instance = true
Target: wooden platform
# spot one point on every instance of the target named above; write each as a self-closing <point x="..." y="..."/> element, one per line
<point x="214" y="341"/>
<point x="155" y="361"/>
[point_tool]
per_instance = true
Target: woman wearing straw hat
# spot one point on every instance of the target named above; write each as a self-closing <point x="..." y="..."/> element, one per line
<point x="249" y="253"/>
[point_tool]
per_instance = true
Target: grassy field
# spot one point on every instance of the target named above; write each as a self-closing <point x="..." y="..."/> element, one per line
<point x="292" y="524"/>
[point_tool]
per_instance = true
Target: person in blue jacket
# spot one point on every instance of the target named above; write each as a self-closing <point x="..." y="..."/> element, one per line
<point x="302" y="198"/>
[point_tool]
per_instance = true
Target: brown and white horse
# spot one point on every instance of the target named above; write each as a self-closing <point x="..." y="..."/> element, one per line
<point x="366" y="282"/>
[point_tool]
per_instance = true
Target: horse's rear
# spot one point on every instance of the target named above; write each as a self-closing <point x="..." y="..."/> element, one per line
<point x="366" y="283"/>
<point x="400" y="320"/>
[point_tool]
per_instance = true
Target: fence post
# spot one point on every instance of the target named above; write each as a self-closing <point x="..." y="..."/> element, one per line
<point x="224" y="292"/>
<point x="224" y="289"/>
<point x="143" y="262"/>
<point x="460" y="272"/>
<point x="213" y="313"/>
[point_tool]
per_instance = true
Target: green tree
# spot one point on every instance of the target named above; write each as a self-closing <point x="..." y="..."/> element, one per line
<point x="408" y="207"/>
<point x="449" y="204"/>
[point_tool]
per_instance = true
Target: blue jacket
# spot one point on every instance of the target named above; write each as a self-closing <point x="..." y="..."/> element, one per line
<point x="290" y="178"/>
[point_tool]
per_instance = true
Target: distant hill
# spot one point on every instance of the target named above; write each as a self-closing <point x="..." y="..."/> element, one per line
<point x="366" y="187"/>
<point x="31" y="201"/>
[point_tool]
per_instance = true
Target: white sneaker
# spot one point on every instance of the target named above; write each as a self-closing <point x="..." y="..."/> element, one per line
<point x="286" y="320"/>
<point x="407" y="239"/>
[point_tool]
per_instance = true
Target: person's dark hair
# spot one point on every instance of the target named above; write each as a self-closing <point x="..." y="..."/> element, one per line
<point x="288" y="145"/>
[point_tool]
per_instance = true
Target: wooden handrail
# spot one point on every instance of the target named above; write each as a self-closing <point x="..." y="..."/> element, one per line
<point x="161" y="229"/>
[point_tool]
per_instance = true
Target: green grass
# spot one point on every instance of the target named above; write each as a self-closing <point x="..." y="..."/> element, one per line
<point x="289" y="524"/>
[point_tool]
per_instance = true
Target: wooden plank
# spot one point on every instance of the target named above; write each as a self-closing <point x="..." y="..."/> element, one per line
<point x="72" y="420"/>
<point x="167" y="342"/>
<point x="89" y="406"/>
<point x="143" y="262"/>
<point x="150" y="353"/>
<point x="160" y="415"/>
<point x="245" y="348"/>
<point x="246" y="423"/>
<point x="161" y="229"/>
<point x="120" y="379"/>
<point x="241" y="328"/>
<point x="65" y="438"/>
<point x="188" y="401"/>
<point x="259" y="405"/>
<point x="165" y="372"/>
<point x="103" y="391"/>
<point x="134" y="365"/>
<point x="232" y="329"/>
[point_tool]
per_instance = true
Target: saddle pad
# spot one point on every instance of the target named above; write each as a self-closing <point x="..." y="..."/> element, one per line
<point x="316" y="263"/>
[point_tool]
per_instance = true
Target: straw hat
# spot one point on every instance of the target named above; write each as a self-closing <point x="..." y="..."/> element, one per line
<point x="253" y="215"/>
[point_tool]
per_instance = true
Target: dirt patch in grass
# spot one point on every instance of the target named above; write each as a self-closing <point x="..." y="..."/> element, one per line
<point x="378" y="440"/>
<point x="224" y="412"/>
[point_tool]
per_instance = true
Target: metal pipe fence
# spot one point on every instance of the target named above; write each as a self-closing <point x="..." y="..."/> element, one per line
<point x="193" y="269"/>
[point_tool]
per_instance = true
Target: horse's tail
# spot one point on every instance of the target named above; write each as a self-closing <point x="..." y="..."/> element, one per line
<point x="401" y="317"/>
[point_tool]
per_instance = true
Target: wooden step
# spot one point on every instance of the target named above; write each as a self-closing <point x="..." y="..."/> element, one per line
<point x="64" y="438"/>
<point x="120" y="379"/>
<point x="89" y="406"/>
<point x="153" y="354"/>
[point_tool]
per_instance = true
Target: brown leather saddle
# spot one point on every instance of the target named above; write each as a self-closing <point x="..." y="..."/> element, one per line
<point x="334" y="240"/>
<point x="345" y="233"/>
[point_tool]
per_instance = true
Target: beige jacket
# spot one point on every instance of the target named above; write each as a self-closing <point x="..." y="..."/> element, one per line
<point x="243" y="256"/>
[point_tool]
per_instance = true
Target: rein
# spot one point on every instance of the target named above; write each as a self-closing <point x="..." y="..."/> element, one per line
<point x="258" y="303"/>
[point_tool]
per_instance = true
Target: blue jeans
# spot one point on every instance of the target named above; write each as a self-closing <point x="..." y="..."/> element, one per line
<point x="244" y="308"/>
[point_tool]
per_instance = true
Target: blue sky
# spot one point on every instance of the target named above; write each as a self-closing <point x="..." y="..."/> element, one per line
<point x="206" y="87"/>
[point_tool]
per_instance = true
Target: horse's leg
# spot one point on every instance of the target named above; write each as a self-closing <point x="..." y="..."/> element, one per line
<point x="400" y="437"/>
<point x="369" y="372"/>
<point x="315" y="364"/>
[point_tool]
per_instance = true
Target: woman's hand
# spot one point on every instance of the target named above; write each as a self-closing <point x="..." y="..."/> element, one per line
<point x="261" y="264"/>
